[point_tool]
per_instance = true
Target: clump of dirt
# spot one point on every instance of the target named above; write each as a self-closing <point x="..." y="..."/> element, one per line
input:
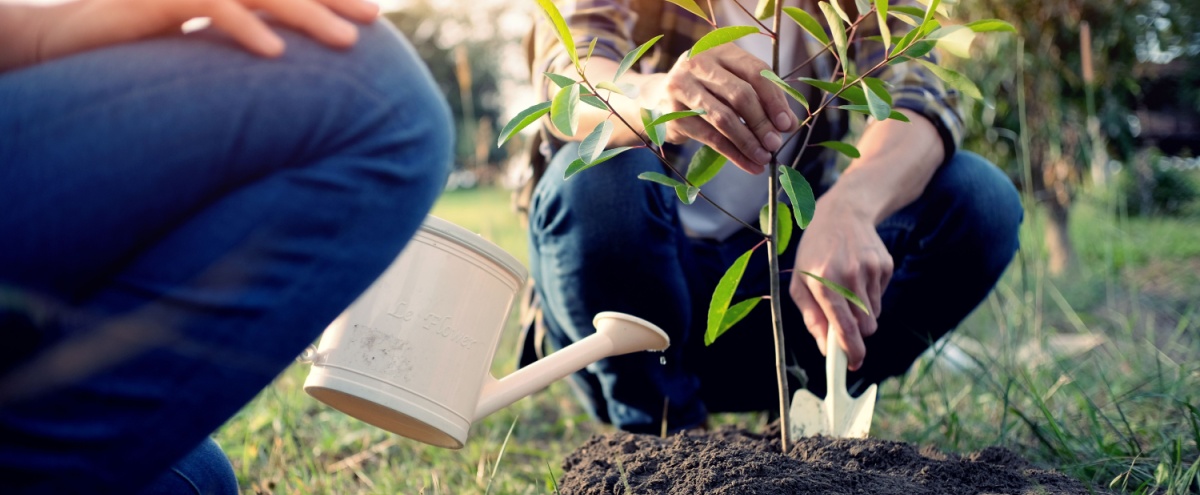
<point x="729" y="461"/>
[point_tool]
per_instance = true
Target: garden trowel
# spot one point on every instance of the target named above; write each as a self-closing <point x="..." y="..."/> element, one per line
<point x="838" y="415"/>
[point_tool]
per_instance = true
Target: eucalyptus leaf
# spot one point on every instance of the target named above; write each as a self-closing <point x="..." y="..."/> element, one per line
<point x="594" y="143"/>
<point x="656" y="133"/>
<point x="633" y="56"/>
<point x="560" y="80"/>
<point x="765" y="9"/>
<point x="691" y="6"/>
<point x="705" y="165"/>
<point x="563" y="110"/>
<point x="718" y="306"/>
<point x="863" y="6"/>
<point x="660" y="179"/>
<point x="879" y="87"/>
<point x="579" y="165"/>
<point x="560" y="27"/>
<point x="837" y="29"/>
<point x="804" y="204"/>
<point x="783" y="227"/>
<point x="954" y="79"/>
<point x="865" y="110"/>
<point x="687" y="193"/>
<point x="837" y="7"/>
<point x="852" y="94"/>
<point x="841" y="147"/>
<point x="879" y="108"/>
<point x="610" y="87"/>
<point x="955" y="40"/>
<point x="895" y="115"/>
<point x="591" y="48"/>
<point x="736" y="313"/>
<point x="844" y="292"/>
<point x="885" y="32"/>
<point x="991" y="25"/>
<point x="667" y="117"/>
<point x="795" y="94"/>
<point x="933" y="7"/>
<point x="594" y="101"/>
<point x="907" y="14"/>
<point x="522" y="120"/>
<point x="720" y="36"/>
<point x="806" y="21"/>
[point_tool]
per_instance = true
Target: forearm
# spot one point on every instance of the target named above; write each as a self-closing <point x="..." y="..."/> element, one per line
<point x="898" y="160"/>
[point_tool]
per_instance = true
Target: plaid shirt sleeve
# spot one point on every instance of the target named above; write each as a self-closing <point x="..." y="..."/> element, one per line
<point x="913" y="86"/>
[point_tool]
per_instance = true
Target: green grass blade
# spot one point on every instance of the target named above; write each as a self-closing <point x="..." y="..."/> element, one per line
<point x="500" y="455"/>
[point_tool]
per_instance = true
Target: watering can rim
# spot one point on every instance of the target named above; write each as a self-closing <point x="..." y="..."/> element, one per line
<point x="455" y="233"/>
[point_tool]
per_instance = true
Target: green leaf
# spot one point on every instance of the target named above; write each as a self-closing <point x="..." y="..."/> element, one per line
<point x="656" y="133"/>
<point x="846" y="293"/>
<point x="595" y="101"/>
<point x="879" y="109"/>
<point x="783" y="225"/>
<point x="563" y="109"/>
<point x="522" y="120"/>
<point x="718" y="306"/>
<point x="895" y="115"/>
<point x="907" y="14"/>
<point x="843" y="148"/>
<point x="838" y="30"/>
<point x="720" y="36"/>
<point x="735" y="314"/>
<point x="991" y="26"/>
<point x="863" y="6"/>
<point x="633" y="56"/>
<point x="879" y="87"/>
<point x="594" y="143"/>
<point x="881" y="12"/>
<point x="806" y="21"/>
<point x="801" y="195"/>
<point x="852" y="94"/>
<point x="954" y="79"/>
<point x="837" y="7"/>
<point x="933" y="6"/>
<point x="687" y="193"/>
<point x="955" y="40"/>
<point x="560" y="80"/>
<point x="795" y="94"/>
<point x="765" y="9"/>
<point x="660" y="179"/>
<point x="611" y="87"/>
<point x="663" y="119"/>
<point x="920" y="48"/>
<point x="691" y="6"/>
<point x="591" y="48"/>
<point x="865" y="110"/>
<point x="705" y="165"/>
<point x="579" y="166"/>
<point x="560" y="27"/>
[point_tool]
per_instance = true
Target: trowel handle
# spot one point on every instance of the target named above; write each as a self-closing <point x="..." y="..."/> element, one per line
<point x="835" y="365"/>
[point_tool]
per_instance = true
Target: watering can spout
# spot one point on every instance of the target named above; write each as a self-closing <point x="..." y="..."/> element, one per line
<point x="616" y="334"/>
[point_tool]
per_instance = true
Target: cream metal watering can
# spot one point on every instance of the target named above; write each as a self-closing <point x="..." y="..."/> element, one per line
<point x="413" y="354"/>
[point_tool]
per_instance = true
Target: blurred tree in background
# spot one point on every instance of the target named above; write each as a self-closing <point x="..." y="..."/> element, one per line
<point x="463" y="44"/>
<point x="1055" y="115"/>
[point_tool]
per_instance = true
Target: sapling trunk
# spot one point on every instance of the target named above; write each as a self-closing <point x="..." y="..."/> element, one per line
<point x="773" y="258"/>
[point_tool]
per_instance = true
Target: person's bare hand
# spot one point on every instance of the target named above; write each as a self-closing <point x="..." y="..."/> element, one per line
<point x="843" y="247"/>
<point x="97" y="23"/>
<point x="745" y="114"/>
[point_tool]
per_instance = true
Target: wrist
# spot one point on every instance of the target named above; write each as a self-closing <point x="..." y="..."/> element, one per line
<point x="849" y="203"/>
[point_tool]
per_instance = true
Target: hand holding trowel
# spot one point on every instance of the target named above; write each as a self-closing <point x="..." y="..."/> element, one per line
<point x="838" y="415"/>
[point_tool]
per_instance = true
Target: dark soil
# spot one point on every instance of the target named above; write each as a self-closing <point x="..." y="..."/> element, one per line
<point x="728" y="461"/>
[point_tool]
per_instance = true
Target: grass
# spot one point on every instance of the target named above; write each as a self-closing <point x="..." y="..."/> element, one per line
<point x="1123" y="414"/>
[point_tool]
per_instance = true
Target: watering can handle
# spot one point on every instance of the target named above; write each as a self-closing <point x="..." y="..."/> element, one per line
<point x="835" y="365"/>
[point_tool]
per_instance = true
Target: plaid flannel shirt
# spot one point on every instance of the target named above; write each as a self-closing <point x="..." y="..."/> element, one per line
<point x="619" y="26"/>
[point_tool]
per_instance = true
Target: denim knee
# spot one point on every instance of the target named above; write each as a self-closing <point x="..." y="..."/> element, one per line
<point x="204" y="471"/>
<point x="984" y="204"/>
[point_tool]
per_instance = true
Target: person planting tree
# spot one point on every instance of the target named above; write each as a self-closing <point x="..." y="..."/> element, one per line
<point x="917" y="228"/>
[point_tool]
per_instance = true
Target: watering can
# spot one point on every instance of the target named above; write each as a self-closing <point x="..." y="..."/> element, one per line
<point x="412" y="355"/>
<point x="838" y="414"/>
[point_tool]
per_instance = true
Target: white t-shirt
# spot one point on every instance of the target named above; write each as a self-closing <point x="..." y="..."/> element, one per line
<point x="735" y="190"/>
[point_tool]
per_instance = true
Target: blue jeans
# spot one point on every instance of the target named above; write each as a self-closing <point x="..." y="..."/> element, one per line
<point x="606" y="241"/>
<point x="181" y="218"/>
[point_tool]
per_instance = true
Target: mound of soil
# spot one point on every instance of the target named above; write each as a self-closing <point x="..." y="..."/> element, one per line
<point x="729" y="461"/>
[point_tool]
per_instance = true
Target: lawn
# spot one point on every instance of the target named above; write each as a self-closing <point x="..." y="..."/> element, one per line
<point x="1095" y="374"/>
